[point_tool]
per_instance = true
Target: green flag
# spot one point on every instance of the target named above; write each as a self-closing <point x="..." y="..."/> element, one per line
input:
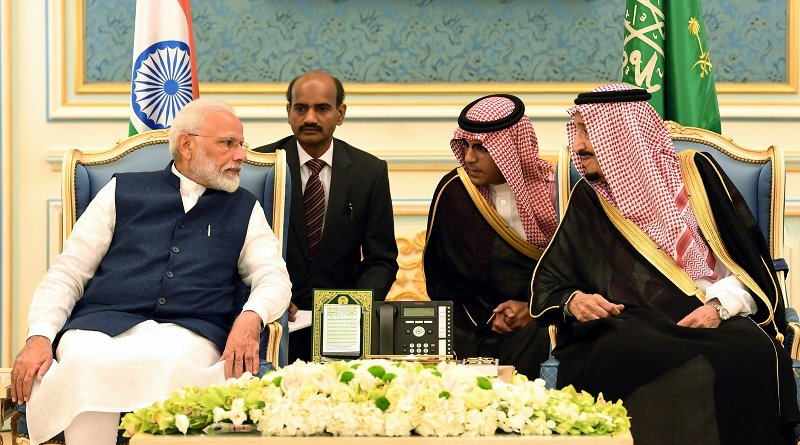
<point x="666" y="52"/>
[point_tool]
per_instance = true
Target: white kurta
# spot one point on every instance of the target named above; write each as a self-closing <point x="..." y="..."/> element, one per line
<point x="94" y="372"/>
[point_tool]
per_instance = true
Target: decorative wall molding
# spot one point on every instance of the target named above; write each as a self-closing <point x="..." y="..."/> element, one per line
<point x="431" y="47"/>
<point x="74" y="55"/>
<point x="410" y="283"/>
<point x="54" y="227"/>
<point x="6" y="141"/>
<point x="792" y="208"/>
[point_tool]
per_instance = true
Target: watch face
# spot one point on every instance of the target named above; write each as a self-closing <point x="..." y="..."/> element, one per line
<point x="723" y="313"/>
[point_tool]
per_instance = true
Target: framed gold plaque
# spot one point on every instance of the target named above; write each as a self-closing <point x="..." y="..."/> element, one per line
<point x="341" y="324"/>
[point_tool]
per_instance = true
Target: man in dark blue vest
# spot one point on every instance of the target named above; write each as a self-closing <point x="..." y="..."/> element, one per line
<point x="151" y="287"/>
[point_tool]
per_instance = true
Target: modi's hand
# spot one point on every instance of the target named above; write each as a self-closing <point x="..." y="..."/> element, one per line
<point x="32" y="361"/>
<point x="585" y="307"/>
<point x="241" y="349"/>
<point x="703" y="317"/>
<point x="511" y="315"/>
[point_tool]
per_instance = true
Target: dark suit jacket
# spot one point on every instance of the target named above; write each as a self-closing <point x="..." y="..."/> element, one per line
<point x="358" y="220"/>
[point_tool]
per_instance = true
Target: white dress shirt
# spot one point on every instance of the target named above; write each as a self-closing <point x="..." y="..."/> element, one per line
<point x="260" y="265"/>
<point x="506" y="205"/>
<point x="324" y="174"/>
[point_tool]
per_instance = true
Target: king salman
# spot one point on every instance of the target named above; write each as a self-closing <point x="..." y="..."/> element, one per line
<point x="662" y="286"/>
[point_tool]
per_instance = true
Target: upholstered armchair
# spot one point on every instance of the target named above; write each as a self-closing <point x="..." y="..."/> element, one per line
<point x="84" y="174"/>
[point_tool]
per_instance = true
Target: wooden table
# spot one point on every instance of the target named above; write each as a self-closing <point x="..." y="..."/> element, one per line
<point x="510" y="439"/>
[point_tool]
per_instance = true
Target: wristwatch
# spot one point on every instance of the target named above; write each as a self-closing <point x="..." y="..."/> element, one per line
<point x="721" y="311"/>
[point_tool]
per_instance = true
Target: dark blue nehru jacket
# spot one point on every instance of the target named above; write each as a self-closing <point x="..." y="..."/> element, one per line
<point x="167" y="265"/>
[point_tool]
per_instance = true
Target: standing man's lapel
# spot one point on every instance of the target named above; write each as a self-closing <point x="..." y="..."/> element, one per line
<point x="341" y="177"/>
<point x="298" y="216"/>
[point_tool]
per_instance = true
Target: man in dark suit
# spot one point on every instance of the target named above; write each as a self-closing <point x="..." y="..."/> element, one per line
<point x="352" y="244"/>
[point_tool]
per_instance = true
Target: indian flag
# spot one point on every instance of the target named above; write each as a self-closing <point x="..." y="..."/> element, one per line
<point x="164" y="75"/>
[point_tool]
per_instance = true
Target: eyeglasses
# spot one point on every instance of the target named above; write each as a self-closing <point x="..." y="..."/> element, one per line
<point x="478" y="150"/>
<point x="230" y="143"/>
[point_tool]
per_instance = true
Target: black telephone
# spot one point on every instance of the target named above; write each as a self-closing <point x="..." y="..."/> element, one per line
<point x="412" y="327"/>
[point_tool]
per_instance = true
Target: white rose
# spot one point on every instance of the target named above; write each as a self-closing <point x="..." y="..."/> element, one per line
<point x="395" y="393"/>
<point x="426" y="397"/>
<point x="342" y="393"/>
<point x="478" y="398"/>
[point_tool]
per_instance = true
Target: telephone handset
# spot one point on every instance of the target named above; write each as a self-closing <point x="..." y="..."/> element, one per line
<point x="412" y="327"/>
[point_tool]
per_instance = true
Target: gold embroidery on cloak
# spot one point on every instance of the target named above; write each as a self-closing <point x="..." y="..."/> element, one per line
<point x="708" y="226"/>
<point x="645" y="245"/>
<point x="497" y="222"/>
<point x="492" y="217"/>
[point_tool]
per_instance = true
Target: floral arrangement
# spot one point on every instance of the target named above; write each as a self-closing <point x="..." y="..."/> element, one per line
<point x="379" y="398"/>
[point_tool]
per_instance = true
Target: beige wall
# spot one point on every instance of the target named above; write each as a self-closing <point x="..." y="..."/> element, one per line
<point x="43" y="116"/>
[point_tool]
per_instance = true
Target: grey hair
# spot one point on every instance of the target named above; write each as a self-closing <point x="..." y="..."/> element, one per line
<point x="190" y="118"/>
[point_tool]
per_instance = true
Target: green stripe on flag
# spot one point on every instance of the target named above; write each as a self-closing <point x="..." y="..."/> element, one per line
<point x="666" y="52"/>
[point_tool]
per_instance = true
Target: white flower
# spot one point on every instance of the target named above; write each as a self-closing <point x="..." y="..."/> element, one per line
<point x="382" y="398"/>
<point x="182" y="423"/>
<point x="219" y="414"/>
<point x="237" y="414"/>
<point x="342" y="393"/>
<point x="255" y="414"/>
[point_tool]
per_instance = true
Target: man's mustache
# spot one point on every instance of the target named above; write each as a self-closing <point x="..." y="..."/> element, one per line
<point x="310" y="127"/>
<point x="585" y="153"/>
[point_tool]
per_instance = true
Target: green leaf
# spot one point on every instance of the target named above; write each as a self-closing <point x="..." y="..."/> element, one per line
<point x="388" y="377"/>
<point x="484" y="383"/>
<point x="377" y="371"/>
<point x="444" y="395"/>
<point x="382" y="403"/>
<point x="277" y="381"/>
<point x="346" y="377"/>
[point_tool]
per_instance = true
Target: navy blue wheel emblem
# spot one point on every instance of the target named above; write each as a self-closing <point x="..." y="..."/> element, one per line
<point x="162" y="82"/>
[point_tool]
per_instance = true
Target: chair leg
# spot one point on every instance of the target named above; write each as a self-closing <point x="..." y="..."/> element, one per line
<point x="16" y="440"/>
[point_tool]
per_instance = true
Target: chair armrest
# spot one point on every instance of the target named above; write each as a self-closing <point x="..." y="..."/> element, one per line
<point x="791" y="315"/>
<point x="781" y="265"/>
<point x="793" y="337"/>
<point x="269" y="361"/>
<point x="273" y="343"/>
<point x="548" y="370"/>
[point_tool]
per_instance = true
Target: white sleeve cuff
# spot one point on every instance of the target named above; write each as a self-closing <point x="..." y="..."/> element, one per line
<point x="733" y="296"/>
<point x="44" y="329"/>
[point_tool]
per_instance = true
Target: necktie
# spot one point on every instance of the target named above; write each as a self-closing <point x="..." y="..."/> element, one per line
<point x="314" y="204"/>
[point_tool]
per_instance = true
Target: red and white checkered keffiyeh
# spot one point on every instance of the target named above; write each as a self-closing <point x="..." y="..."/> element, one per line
<point x="516" y="153"/>
<point x="643" y="179"/>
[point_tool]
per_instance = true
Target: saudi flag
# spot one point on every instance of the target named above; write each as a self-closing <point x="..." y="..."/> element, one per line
<point x="164" y="75"/>
<point x="666" y="52"/>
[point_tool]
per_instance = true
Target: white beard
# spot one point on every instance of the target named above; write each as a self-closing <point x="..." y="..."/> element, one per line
<point x="204" y="167"/>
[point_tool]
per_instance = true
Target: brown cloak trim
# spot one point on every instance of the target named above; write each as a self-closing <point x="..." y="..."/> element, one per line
<point x="497" y="222"/>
